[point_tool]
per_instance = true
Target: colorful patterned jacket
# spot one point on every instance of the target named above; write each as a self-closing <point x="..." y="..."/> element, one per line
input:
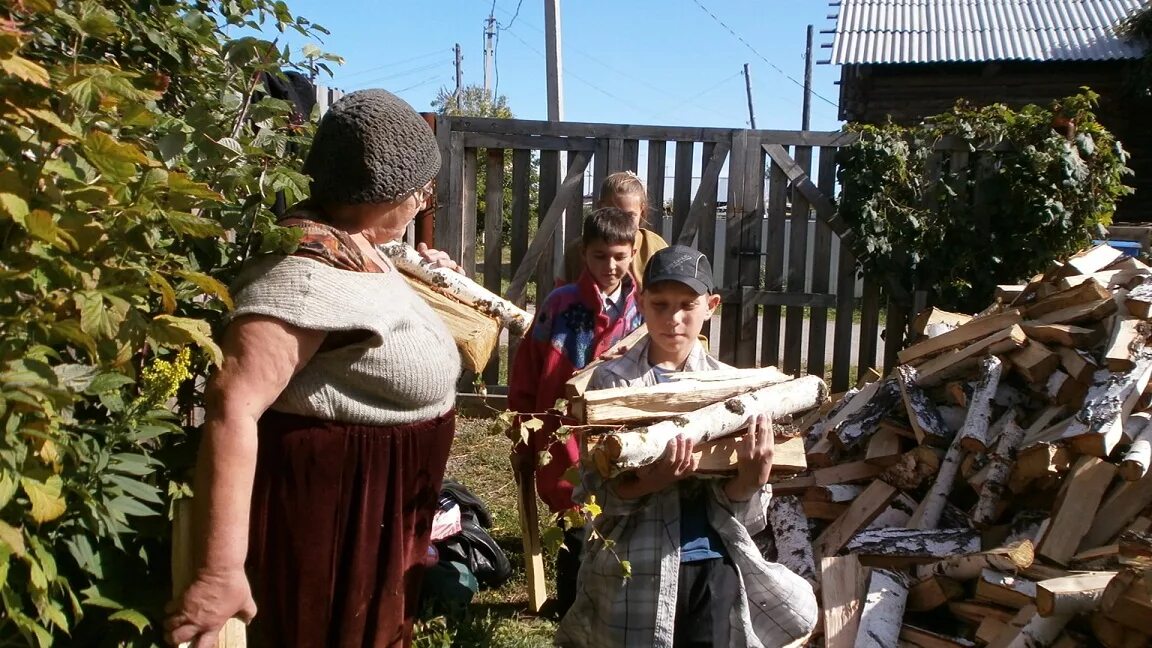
<point x="569" y="331"/>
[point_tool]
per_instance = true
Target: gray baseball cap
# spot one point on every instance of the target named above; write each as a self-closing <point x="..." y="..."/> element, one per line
<point x="682" y="264"/>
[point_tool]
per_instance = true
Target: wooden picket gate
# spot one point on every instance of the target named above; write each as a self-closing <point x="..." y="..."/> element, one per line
<point x="775" y="294"/>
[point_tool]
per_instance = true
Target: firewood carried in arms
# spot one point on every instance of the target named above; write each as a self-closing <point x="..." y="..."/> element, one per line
<point x="627" y="449"/>
<point x="456" y="285"/>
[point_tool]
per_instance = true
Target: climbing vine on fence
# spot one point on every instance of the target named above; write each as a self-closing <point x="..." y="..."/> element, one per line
<point x="978" y="197"/>
<point x="136" y="172"/>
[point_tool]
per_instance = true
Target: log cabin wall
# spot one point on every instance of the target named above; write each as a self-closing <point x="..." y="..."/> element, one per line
<point x="906" y="93"/>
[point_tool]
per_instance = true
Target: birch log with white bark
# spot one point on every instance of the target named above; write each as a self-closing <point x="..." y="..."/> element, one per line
<point x="927" y="514"/>
<point x="456" y="285"/>
<point x="1030" y="630"/>
<point x="902" y="547"/>
<point x="923" y="414"/>
<point x="974" y="433"/>
<point x="636" y="447"/>
<point x="1099" y="425"/>
<point x="819" y="429"/>
<point x="864" y="422"/>
<point x="1074" y="594"/>
<point x="1011" y="558"/>
<point x="790" y="528"/>
<point x="999" y="470"/>
<point x="883" y="612"/>
<point x="1135" y="463"/>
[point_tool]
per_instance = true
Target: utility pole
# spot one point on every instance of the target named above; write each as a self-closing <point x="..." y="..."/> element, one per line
<point x="553" y="60"/>
<point x="489" y="53"/>
<point x="806" y="116"/>
<point x="748" y="87"/>
<point x="459" y="78"/>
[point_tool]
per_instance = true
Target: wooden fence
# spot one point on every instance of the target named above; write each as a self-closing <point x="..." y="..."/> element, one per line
<point x="774" y="312"/>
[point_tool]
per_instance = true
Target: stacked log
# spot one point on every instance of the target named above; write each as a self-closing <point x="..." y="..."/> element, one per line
<point x="994" y="489"/>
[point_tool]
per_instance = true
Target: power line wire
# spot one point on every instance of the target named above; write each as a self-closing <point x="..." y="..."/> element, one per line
<point x="393" y="64"/>
<point x="757" y="53"/>
<point x="425" y="68"/>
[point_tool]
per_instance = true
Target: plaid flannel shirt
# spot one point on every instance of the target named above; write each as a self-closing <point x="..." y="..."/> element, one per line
<point x="775" y="606"/>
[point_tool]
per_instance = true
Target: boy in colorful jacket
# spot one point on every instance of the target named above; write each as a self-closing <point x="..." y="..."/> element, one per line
<point x="577" y="323"/>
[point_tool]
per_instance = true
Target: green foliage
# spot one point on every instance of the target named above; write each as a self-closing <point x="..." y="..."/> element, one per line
<point x="475" y="102"/>
<point x="1014" y="195"/>
<point x="135" y="174"/>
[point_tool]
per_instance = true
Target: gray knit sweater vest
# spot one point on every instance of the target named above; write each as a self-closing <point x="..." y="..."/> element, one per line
<point x="403" y="372"/>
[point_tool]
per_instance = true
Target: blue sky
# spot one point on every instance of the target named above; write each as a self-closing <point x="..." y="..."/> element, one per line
<point x="665" y="62"/>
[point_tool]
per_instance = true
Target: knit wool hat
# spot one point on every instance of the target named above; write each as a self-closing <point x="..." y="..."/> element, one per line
<point x="370" y="147"/>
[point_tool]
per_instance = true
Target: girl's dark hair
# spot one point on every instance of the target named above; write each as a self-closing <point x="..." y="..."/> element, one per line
<point x="612" y="225"/>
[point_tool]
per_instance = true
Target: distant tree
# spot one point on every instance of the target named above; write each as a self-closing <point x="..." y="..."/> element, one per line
<point x="474" y="101"/>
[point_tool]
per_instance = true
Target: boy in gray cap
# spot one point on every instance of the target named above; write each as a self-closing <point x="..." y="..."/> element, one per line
<point x="697" y="578"/>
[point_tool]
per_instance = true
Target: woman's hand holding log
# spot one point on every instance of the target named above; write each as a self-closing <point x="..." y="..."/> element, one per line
<point x="753" y="460"/>
<point x="195" y="619"/>
<point x="434" y="258"/>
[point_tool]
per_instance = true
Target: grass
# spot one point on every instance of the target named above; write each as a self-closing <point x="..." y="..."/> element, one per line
<point x="497" y="618"/>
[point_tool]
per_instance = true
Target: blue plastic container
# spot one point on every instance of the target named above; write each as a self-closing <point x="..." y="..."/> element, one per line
<point x="1129" y="248"/>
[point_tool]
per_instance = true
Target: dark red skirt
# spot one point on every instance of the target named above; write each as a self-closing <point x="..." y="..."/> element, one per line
<point x="341" y="516"/>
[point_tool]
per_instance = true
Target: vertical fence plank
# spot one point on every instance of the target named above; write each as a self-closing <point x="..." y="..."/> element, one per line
<point x="599" y="165"/>
<point x="737" y="263"/>
<point x="615" y="155"/>
<point x="493" y="242"/>
<point x="631" y="155"/>
<point x="657" y="158"/>
<point x="574" y="215"/>
<point x="869" y="324"/>
<point x="774" y="263"/>
<point x="797" y="266"/>
<point x="845" y="305"/>
<point x="449" y="199"/>
<point x="752" y="192"/>
<point x="521" y="215"/>
<point x="706" y="226"/>
<point x="895" y="327"/>
<point x="821" y="266"/>
<point x="682" y="185"/>
<point x="549" y="183"/>
<point x="468" y="218"/>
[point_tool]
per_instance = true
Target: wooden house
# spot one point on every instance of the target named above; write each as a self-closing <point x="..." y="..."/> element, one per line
<point x="907" y="59"/>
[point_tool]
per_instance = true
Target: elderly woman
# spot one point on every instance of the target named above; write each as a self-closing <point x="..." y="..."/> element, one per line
<point x="330" y="420"/>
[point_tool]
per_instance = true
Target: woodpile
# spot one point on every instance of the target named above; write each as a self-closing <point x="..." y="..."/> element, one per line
<point x="994" y="489"/>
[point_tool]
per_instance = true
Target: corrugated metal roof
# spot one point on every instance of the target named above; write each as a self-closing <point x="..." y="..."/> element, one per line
<point x="932" y="31"/>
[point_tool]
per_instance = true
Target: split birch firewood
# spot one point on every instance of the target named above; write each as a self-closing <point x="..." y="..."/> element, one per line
<point x="790" y="529"/>
<point x="1035" y="362"/>
<point x="933" y="592"/>
<point x="1075" y="507"/>
<point x="966" y="333"/>
<point x="819" y="429"/>
<point x="1110" y="634"/>
<point x="969" y="566"/>
<point x="883" y="612"/>
<point x="1135" y="547"/>
<point x="1121" y="506"/>
<point x="1039" y="460"/>
<point x="1131" y="604"/>
<point x="720" y="457"/>
<point x="974" y="434"/>
<point x="632" y="448"/>
<point x="476" y="334"/>
<point x="951" y="363"/>
<point x="999" y="469"/>
<point x="1061" y="389"/>
<point x="838" y="493"/>
<point x="1079" y="314"/>
<point x="863" y="510"/>
<point x="843" y="585"/>
<point x="1080" y="366"/>
<point x="456" y="285"/>
<point x="1071" y="594"/>
<point x="913" y="636"/>
<point x="883" y="448"/>
<point x="1009" y="590"/>
<point x="1066" y="335"/>
<point x="578" y="383"/>
<point x="861" y="424"/>
<point x="1093" y="259"/>
<point x="927" y="514"/>
<point x="925" y="418"/>
<point x="913" y="468"/>
<point x="898" y="548"/>
<point x="896" y="515"/>
<point x="846" y="473"/>
<point x="1139" y="300"/>
<point x="685" y="393"/>
<point x="937" y="317"/>
<point x="1099" y="425"/>
<point x="1030" y="630"/>
<point x="1041" y="422"/>
<point x="1127" y="340"/>
<point x="1088" y="292"/>
<point x="852" y="401"/>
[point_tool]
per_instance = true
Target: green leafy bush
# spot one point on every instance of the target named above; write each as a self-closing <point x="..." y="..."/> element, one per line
<point x="978" y="196"/>
<point x="136" y="172"/>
